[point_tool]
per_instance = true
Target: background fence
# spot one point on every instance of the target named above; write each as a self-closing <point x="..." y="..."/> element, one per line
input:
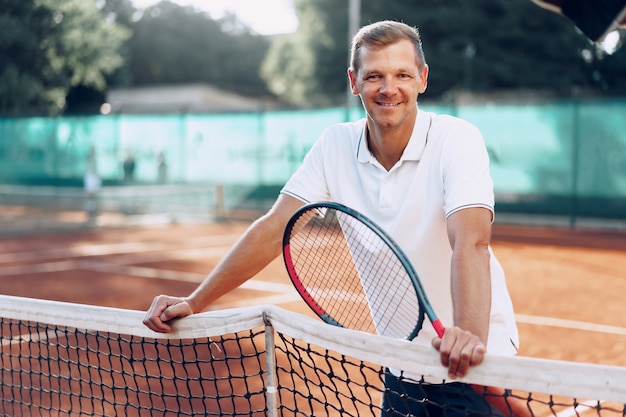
<point x="559" y="157"/>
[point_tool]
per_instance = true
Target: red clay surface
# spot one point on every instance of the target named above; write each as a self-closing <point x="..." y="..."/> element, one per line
<point x="567" y="286"/>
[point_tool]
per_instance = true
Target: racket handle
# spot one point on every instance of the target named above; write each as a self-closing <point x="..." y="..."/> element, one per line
<point x="438" y="327"/>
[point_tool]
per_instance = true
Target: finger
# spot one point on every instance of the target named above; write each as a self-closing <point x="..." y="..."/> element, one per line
<point x="478" y="354"/>
<point x="457" y="351"/>
<point x="436" y="343"/>
<point x="459" y="362"/>
<point x="174" y="311"/>
<point x="153" y="318"/>
<point x="445" y="346"/>
<point x="154" y="322"/>
<point x="470" y="354"/>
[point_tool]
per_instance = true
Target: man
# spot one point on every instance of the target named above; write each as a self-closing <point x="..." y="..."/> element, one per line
<point x="424" y="178"/>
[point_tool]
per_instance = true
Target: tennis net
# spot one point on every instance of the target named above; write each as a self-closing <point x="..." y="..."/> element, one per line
<point x="66" y="359"/>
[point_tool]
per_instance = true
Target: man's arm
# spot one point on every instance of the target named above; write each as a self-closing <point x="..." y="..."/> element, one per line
<point x="256" y="248"/>
<point x="464" y="344"/>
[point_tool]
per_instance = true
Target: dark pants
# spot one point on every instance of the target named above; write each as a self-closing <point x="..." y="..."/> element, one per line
<point x="403" y="398"/>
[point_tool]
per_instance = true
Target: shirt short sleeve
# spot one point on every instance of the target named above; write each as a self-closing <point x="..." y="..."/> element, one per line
<point x="465" y="170"/>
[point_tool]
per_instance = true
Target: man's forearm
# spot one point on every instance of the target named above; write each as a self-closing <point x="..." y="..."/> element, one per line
<point x="256" y="248"/>
<point x="471" y="290"/>
<point x="252" y="252"/>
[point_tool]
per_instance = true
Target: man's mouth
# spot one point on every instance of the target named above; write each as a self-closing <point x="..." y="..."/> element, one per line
<point x="387" y="104"/>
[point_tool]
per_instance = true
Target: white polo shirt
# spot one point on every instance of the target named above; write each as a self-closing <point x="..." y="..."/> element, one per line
<point x="444" y="168"/>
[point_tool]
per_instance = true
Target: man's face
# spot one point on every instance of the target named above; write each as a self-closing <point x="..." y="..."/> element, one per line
<point x="389" y="82"/>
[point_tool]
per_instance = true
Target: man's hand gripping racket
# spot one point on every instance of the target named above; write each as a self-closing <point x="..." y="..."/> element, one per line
<point x="353" y="274"/>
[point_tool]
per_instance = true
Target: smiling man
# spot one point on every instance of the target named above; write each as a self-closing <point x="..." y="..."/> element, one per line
<point x="422" y="177"/>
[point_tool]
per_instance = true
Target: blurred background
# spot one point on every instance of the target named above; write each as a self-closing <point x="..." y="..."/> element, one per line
<point x="204" y="108"/>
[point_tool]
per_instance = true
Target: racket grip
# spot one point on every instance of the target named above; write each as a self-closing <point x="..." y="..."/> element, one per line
<point x="439" y="327"/>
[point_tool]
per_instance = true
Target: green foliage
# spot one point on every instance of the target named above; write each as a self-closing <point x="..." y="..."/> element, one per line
<point x="50" y="46"/>
<point x="20" y="85"/>
<point x="309" y="68"/>
<point x="174" y="44"/>
<point x="123" y="13"/>
<point x="515" y="44"/>
<point x="477" y="45"/>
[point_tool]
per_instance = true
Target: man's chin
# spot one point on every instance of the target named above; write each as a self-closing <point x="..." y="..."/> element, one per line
<point x="385" y="122"/>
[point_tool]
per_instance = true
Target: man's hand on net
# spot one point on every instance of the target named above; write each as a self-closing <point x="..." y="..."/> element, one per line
<point x="459" y="349"/>
<point x="164" y="309"/>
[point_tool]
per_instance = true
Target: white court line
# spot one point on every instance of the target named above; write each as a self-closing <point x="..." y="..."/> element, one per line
<point x="145" y="272"/>
<point x="113" y="248"/>
<point x="142" y="271"/>
<point x="128" y="248"/>
<point x="138" y="271"/>
<point x="80" y="251"/>
<point x="271" y="300"/>
<point x="198" y="253"/>
<point x="258" y="285"/>
<point x="570" y="324"/>
<point x="39" y="268"/>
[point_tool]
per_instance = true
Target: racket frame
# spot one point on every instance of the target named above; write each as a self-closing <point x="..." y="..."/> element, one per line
<point x="425" y="304"/>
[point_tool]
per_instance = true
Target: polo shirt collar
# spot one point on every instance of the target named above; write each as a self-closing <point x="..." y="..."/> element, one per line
<point x="414" y="149"/>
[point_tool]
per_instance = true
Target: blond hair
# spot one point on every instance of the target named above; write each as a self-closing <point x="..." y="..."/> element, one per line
<point x="384" y="33"/>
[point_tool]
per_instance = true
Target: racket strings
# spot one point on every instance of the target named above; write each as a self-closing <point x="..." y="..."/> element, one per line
<point x="325" y="267"/>
<point x="353" y="274"/>
<point x="393" y="301"/>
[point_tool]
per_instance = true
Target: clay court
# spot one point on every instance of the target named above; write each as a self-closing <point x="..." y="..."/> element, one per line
<point x="567" y="285"/>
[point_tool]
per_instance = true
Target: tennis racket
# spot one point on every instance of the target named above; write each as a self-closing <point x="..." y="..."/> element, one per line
<point x="353" y="274"/>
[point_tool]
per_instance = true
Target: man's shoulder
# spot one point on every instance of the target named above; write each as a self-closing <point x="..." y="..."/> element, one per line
<point x="449" y="125"/>
<point x="345" y="129"/>
<point x="448" y="120"/>
<point x="344" y="135"/>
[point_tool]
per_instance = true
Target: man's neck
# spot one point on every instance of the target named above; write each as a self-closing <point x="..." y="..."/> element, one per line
<point x="387" y="145"/>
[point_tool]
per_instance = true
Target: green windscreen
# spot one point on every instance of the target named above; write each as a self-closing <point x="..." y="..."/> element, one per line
<point x="554" y="157"/>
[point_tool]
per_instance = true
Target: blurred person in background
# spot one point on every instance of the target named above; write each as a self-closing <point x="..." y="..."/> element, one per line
<point x="92" y="184"/>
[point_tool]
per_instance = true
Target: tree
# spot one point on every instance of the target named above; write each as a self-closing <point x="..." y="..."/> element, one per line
<point x="83" y="99"/>
<point x="497" y="45"/>
<point x="124" y="14"/>
<point x="174" y="44"/>
<point x="50" y="46"/>
<point x="20" y="85"/>
<point x="478" y="45"/>
<point x="309" y="68"/>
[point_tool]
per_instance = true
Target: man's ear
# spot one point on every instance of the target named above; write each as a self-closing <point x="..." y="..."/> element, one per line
<point x="352" y="78"/>
<point x="424" y="79"/>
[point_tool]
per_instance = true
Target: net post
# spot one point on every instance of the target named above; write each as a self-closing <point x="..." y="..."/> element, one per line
<point x="270" y="362"/>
